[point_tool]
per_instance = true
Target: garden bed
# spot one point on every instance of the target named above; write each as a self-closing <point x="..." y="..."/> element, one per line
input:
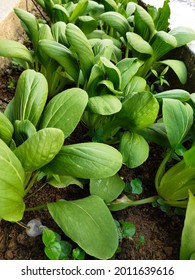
<point x="158" y="230"/>
<point x="161" y="231"/>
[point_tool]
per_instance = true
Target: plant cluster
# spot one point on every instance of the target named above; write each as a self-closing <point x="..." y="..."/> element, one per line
<point x="101" y="63"/>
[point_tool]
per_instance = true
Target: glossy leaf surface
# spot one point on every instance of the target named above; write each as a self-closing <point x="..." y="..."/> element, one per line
<point x="86" y="160"/>
<point x="12" y="179"/>
<point x="89" y="223"/>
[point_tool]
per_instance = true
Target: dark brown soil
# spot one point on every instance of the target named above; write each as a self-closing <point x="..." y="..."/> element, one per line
<point x="161" y="231"/>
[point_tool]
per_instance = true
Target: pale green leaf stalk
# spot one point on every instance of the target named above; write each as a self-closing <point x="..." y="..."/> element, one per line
<point x="187" y="249"/>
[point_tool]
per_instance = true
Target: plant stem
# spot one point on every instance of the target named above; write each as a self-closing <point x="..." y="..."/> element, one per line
<point x="120" y="204"/>
<point x="38" y="207"/>
<point x="31" y="183"/>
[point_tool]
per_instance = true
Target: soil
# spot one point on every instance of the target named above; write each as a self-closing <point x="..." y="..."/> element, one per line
<point x="161" y="231"/>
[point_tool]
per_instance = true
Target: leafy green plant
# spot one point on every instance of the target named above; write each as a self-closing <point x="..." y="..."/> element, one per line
<point x="187" y="248"/>
<point x="58" y="249"/>
<point x="34" y="150"/>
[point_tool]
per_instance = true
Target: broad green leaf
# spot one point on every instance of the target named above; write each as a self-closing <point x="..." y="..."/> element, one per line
<point x="179" y="94"/>
<point x="187" y="248"/>
<point x="12" y="179"/>
<point x="136" y="84"/>
<point x="6" y="129"/>
<point x="162" y="42"/>
<point x="59" y="13"/>
<point x="87" y="24"/>
<point x="106" y="87"/>
<point x="40" y="148"/>
<point x="79" y="10"/>
<point x="65" y="110"/>
<point x="110" y="5"/>
<point x="189" y="157"/>
<point x="107" y="188"/>
<point x="183" y="35"/>
<point x="89" y="223"/>
<point x="22" y="131"/>
<point x="80" y="44"/>
<point x="140" y="109"/>
<point x="178" y="67"/>
<point x="134" y="149"/>
<point x="117" y="21"/>
<point x="178" y="119"/>
<point x="143" y="23"/>
<point x="63" y="182"/>
<point x="112" y="72"/>
<point x="58" y="30"/>
<point x="86" y="160"/>
<point x="62" y="55"/>
<point x="128" y="68"/>
<point x="103" y="48"/>
<point x="30" y="97"/>
<point x="139" y="44"/>
<point x="30" y="25"/>
<point x="13" y="49"/>
<point x="95" y="77"/>
<point x="176" y="183"/>
<point x="104" y="104"/>
<point x="155" y="133"/>
<point x="162" y="17"/>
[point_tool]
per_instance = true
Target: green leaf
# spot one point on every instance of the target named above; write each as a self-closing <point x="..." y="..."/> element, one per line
<point x="30" y="25"/>
<point x="178" y="67"/>
<point x="22" y="131"/>
<point x="64" y="110"/>
<point x="30" y="97"/>
<point x="179" y="94"/>
<point x="128" y="230"/>
<point x="143" y="23"/>
<point x="183" y="35"/>
<point x="62" y="55"/>
<point x="134" y="149"/>
<point x="87" y="24"/>
<point x="141" y="109"/>
<point x="13" y="49"/>
<point x="106" y="87"/>
<point x="136" y="185"/>
<point x="6" y="129"/>
<point x="161" y="20"/>
<point x="12" y="180"/>
<point x="137" y="84"/>
<point x="59" y="13"/>
<point x="139" y="44"/>
<point x="189" y="157"/>
<point x="64" y="181"/>
<point x="112" y="72"/>
<point x="80" y="44"/>
<point x="162" y="42"/>
<point x="79" y="10"/>
<point x="156" y="133"/>
<point x="95" y="77"/>
<point x="187" y="248"/>
<point x="40" y="148"/>
<point x="88" y="217"/>
<point x="178" y="119"/>
<point x="117" y="21"/>
<point x="86" y="160"/>
<point x="107" y="188"/>
<point x="128" y="68"/>
<point x="104" y="104"/>
<point x="58" y="30"/>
